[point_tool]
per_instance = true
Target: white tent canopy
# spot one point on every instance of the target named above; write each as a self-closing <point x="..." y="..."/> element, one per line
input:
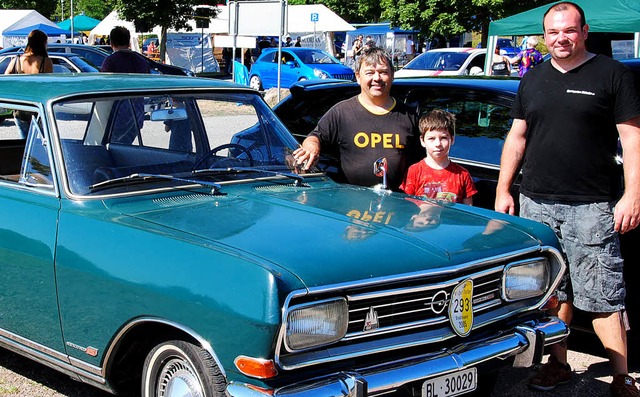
<point x="16" y="19"/>
<point x="111" y="21"/>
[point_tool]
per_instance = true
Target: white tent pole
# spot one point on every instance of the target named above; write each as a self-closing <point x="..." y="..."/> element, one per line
<point x="71" y="21"/>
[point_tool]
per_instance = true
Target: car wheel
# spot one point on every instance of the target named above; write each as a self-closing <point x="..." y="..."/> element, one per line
<point x="255" y="83"/>
<point x="178" y="368"/>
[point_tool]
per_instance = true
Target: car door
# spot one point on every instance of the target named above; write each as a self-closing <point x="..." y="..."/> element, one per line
<point x="269" y="70"/>
<point x="290" y="70"/>
<point x="29" y="207"/>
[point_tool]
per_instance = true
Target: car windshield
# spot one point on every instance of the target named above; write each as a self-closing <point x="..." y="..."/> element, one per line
<point x="135" y="141"/>
<point x="438" y="60"/>
<point x="312" y="56"/>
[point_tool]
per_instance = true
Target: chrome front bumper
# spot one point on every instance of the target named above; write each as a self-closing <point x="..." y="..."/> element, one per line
<point x="526" y="342"/>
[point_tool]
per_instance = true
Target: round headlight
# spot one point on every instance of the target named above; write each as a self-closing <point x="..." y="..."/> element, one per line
<point x="320" y="73"/>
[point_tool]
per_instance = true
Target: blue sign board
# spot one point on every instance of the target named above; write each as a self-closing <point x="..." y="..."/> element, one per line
<point x="315" y="17"/>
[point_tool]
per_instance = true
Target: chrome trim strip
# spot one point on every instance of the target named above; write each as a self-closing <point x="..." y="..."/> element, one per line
<point x="19" y="340"/>
<point x="395" y="291"/>
<point x="53" y="359"/>
<point x="125" y="329"/>
<point x="476" y="163"/>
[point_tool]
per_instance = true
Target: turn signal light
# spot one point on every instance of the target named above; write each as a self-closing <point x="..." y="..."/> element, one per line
<point x="551" y="303"/>
<point x="256" y="367"/>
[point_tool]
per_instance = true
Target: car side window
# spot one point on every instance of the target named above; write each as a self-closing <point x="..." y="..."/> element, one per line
<point x="23" y="160"/>
<point x="482" y="122"/>
<point x="61" y="66"/>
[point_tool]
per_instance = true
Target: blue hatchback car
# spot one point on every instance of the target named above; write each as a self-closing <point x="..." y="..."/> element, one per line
<point x="298" y="63"/>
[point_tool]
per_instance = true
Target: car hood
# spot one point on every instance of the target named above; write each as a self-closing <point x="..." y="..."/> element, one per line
<point x="333" y="69"/>
<point x="332" y="235"/>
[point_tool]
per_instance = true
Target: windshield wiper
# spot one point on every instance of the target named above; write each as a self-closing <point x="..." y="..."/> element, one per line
<point x="142" y="177"/>
<point x="299" y="180"/>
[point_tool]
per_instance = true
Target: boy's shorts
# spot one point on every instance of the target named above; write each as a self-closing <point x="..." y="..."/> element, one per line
<point x="594" y="282"/>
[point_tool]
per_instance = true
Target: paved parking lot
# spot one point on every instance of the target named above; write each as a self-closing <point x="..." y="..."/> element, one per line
<point x="591" y="378"/>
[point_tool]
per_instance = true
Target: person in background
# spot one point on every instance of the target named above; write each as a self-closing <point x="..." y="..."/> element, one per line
<point x="409" y="48"/>
<point x="569" y="115"/>
<point x="298" y="42"/>
<point x="366" y="127"/>
<point x="436" y="176"/>
<point x="123" y="60"/>
<point x="34" y="60"/>
<point x="288" y="42"/>
<point x="528" y="58"/>
<point x="500" y="65"/>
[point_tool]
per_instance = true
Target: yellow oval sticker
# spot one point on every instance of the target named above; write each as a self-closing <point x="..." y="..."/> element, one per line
<point x="461" y="308"/>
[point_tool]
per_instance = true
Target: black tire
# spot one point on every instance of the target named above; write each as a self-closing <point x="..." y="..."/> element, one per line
<point x="181" y="368"/>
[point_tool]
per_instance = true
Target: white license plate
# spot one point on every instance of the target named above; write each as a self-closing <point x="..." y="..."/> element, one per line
<point x="452" y="384"/>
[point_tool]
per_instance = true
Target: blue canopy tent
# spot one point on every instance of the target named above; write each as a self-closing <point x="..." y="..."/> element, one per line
<point x="385" y="36"/>
<point x="80" y="23"/>
<point x="48" y="29"/>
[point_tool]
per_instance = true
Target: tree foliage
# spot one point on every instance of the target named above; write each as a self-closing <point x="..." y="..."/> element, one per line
<point x="452" y="17"/>
<point x="44" y="7"/>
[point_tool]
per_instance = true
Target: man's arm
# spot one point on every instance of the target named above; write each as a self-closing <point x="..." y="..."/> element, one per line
<point x="309" y="153"/>
<point x="627" y="211"/>
<point x="512" y="155"/>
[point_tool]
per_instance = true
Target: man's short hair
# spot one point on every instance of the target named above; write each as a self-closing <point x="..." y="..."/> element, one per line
<point x="563" y="6"/>
<point x="437" y="120"/>
<point x="372" y="56"/>
<point x="120" y="36"/>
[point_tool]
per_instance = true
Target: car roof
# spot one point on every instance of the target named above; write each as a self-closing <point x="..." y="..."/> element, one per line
<point x="51" y="86"/>
<point x="500" y="85"/>
<point x="58" y="46"/>
<point x="53" y="54"/>
<point x="459" y="49"/>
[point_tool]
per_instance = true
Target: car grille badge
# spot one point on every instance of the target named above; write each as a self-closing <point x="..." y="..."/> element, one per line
<point x="371" y="320"/>
<point x="461" y="308"/>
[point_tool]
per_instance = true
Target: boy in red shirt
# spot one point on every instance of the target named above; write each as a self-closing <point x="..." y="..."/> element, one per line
<point x="436" y="176"/>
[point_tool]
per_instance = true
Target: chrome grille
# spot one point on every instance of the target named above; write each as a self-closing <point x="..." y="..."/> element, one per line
<point x="418" y="306"/>
<point x="343" y="76"/>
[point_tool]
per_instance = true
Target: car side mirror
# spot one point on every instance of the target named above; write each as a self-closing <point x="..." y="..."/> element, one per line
<point x="291" y="64"/>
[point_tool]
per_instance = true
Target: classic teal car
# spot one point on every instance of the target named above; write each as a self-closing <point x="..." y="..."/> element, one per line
<point x="156" y="238"/>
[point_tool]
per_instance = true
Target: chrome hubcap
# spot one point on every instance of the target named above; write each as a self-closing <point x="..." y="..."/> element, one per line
<point x="178" y="379"/>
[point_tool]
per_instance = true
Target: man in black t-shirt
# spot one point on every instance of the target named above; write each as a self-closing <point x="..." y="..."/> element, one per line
<point x="568" y="115"/>
<point x="368" y="126"/>
<point x="123" y="60"/>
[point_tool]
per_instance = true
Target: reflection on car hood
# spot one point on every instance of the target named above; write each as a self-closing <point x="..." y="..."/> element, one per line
<point x="330" y="235"/>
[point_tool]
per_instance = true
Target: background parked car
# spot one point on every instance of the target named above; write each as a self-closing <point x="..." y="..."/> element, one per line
<point x="445" y="62"/>
<point x="297" y="64"/>
<point x="97" y="56"/>
<point x="507" y="47"/>
<point x="62" y="63"/>
<point x="481" y="107"/>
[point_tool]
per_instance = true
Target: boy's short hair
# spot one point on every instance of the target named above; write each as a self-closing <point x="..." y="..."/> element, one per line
<point x="437" y="120"/>
<point x="373" y="56"/>
<point x="120" y="36"/>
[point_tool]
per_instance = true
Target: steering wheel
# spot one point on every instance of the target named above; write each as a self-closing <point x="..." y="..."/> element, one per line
<point x="216" y="149"/>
